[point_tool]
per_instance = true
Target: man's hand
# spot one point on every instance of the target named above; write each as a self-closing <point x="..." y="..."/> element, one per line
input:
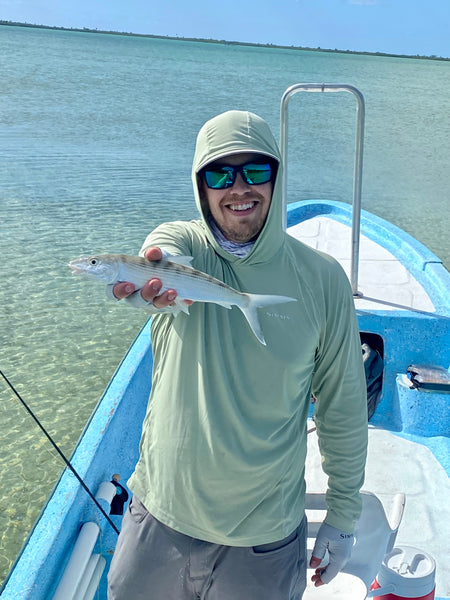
<point x="150" y="291"/>
<point x="339" y="545"/>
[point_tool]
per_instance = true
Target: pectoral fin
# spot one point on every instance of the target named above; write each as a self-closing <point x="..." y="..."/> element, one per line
<point x="181" y="305"/>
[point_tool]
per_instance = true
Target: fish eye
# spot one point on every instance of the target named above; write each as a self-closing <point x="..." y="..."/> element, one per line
<point x="93" y="262"/>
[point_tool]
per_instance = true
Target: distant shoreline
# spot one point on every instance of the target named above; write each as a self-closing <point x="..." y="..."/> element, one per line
<point x="223" y="42"/>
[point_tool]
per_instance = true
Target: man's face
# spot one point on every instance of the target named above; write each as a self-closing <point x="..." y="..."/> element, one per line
<point x="240" y="211"/>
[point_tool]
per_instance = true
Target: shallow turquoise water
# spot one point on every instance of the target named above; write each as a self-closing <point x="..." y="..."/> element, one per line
<point x="96" y="140"/>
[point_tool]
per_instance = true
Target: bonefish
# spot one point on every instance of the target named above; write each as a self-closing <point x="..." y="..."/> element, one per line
<point x="176" y="273"/>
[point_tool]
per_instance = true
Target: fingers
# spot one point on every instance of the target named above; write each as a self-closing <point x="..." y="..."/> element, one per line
<point x="316" y="579"/>
<point x="150" y="293"/>
<point x="326" y="571"/>
<point x="150" y="290"/>
<point x="325" y="575"/>
<point x="314" y="564"/>
<point x="319" y="550"/>
<point x="339" y="545"/>
<point x="123" y="289"/>
<point x="153" y="253"/>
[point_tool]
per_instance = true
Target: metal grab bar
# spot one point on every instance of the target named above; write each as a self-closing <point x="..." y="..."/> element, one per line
<point x="357" y="174"/>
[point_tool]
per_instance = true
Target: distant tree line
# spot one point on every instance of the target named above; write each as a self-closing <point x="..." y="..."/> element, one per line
<point x="224" y="42"/>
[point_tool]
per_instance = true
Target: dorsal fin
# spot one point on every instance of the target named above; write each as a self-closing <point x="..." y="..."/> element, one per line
<point x="181" y="260"/>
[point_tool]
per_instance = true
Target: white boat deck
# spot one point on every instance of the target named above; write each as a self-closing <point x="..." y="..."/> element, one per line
<point x="395" y="465"/>
<point x="381" y="275"/>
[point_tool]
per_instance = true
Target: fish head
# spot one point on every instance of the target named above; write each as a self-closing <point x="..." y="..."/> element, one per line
<point x="100" y="267"/>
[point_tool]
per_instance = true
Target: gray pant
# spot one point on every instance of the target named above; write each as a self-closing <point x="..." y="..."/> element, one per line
<point x="154" y="562"/>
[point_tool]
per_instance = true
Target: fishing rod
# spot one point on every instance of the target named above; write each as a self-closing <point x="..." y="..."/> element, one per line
<point x="59" y="451"/>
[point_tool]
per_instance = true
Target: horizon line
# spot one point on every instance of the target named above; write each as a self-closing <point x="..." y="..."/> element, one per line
<point x="216" y="41"/>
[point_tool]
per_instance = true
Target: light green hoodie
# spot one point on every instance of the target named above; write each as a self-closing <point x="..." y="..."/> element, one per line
<point x="223" y="447"/>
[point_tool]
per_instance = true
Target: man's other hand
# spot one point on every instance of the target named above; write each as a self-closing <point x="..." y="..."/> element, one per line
<point x="150" y="290"/>
<point x="339" y="545"/>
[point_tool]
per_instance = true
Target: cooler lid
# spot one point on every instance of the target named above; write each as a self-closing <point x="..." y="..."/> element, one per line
<point x="409" y="570"/>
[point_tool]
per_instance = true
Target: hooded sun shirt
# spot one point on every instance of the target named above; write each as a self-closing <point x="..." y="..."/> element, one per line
<point x="223" y="447"/>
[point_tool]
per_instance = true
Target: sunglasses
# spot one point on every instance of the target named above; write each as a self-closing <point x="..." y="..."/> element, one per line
<point x="224" y="176"/>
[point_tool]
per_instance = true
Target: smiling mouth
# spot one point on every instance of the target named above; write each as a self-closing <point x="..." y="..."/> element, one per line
<point x="242" y="207"/>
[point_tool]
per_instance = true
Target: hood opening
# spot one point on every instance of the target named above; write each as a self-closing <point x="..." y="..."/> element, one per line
<point x="228" y="134"/>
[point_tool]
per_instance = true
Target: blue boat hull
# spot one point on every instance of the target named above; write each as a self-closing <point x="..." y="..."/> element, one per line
<point x="110" y="442"/>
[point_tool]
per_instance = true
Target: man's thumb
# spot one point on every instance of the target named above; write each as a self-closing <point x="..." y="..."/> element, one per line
<point x="320" y="547"/>
<point x="314" y="562"/>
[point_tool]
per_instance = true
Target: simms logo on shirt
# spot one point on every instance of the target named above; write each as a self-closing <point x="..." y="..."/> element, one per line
<point x="278" y="316"/>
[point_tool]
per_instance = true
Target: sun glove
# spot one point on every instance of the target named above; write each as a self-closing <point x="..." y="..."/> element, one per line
<point x="339" y="545"/>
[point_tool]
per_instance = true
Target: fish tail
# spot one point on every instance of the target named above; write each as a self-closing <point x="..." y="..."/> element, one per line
<point x="255" y="301"/>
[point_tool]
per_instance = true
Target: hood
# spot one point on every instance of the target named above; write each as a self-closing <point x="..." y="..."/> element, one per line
<point x="234" y="132"/>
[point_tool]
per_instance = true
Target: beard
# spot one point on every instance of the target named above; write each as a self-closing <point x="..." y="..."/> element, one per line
<point x="244" y="233"/>
<point x="244" y="228"/>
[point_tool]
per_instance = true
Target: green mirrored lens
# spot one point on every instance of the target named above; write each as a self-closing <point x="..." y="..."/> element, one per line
<point x="223" y="177"/>
<point x="219" y="178"/>
<point x="255" y="174"/>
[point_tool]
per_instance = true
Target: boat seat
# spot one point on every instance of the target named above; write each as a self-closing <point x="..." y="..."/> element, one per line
<point x="429" y="377"/>
<point x="375" y="536"/>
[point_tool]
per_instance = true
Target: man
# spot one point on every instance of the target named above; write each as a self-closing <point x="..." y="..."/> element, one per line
<point x="218" y="506"/>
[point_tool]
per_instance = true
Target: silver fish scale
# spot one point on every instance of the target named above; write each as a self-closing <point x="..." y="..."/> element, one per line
<point x="187" y="281"/>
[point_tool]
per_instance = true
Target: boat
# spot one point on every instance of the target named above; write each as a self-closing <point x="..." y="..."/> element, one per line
<point x="401" y="291"/>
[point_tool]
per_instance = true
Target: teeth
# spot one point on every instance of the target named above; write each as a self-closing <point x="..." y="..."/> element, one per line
<point x="241" y="206"/>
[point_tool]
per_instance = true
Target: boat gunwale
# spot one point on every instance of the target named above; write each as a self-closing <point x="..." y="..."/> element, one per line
<point x="43" y="536"/>
<point x="420" y="261"/>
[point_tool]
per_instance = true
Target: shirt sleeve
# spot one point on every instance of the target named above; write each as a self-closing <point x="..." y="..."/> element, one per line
<point x="172" y="238"/>
<point x="341" y="405"/>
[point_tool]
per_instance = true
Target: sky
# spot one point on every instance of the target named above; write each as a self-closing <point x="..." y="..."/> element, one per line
<point x="412" y="27"/>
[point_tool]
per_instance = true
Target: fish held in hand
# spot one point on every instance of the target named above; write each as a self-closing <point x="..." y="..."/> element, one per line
<point x="177" y="274"/>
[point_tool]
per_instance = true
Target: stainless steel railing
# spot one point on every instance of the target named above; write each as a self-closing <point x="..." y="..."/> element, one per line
<point x="357" y="174"/>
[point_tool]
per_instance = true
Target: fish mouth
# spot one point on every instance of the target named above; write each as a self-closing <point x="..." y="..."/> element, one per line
<point x="75" y="269"/>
